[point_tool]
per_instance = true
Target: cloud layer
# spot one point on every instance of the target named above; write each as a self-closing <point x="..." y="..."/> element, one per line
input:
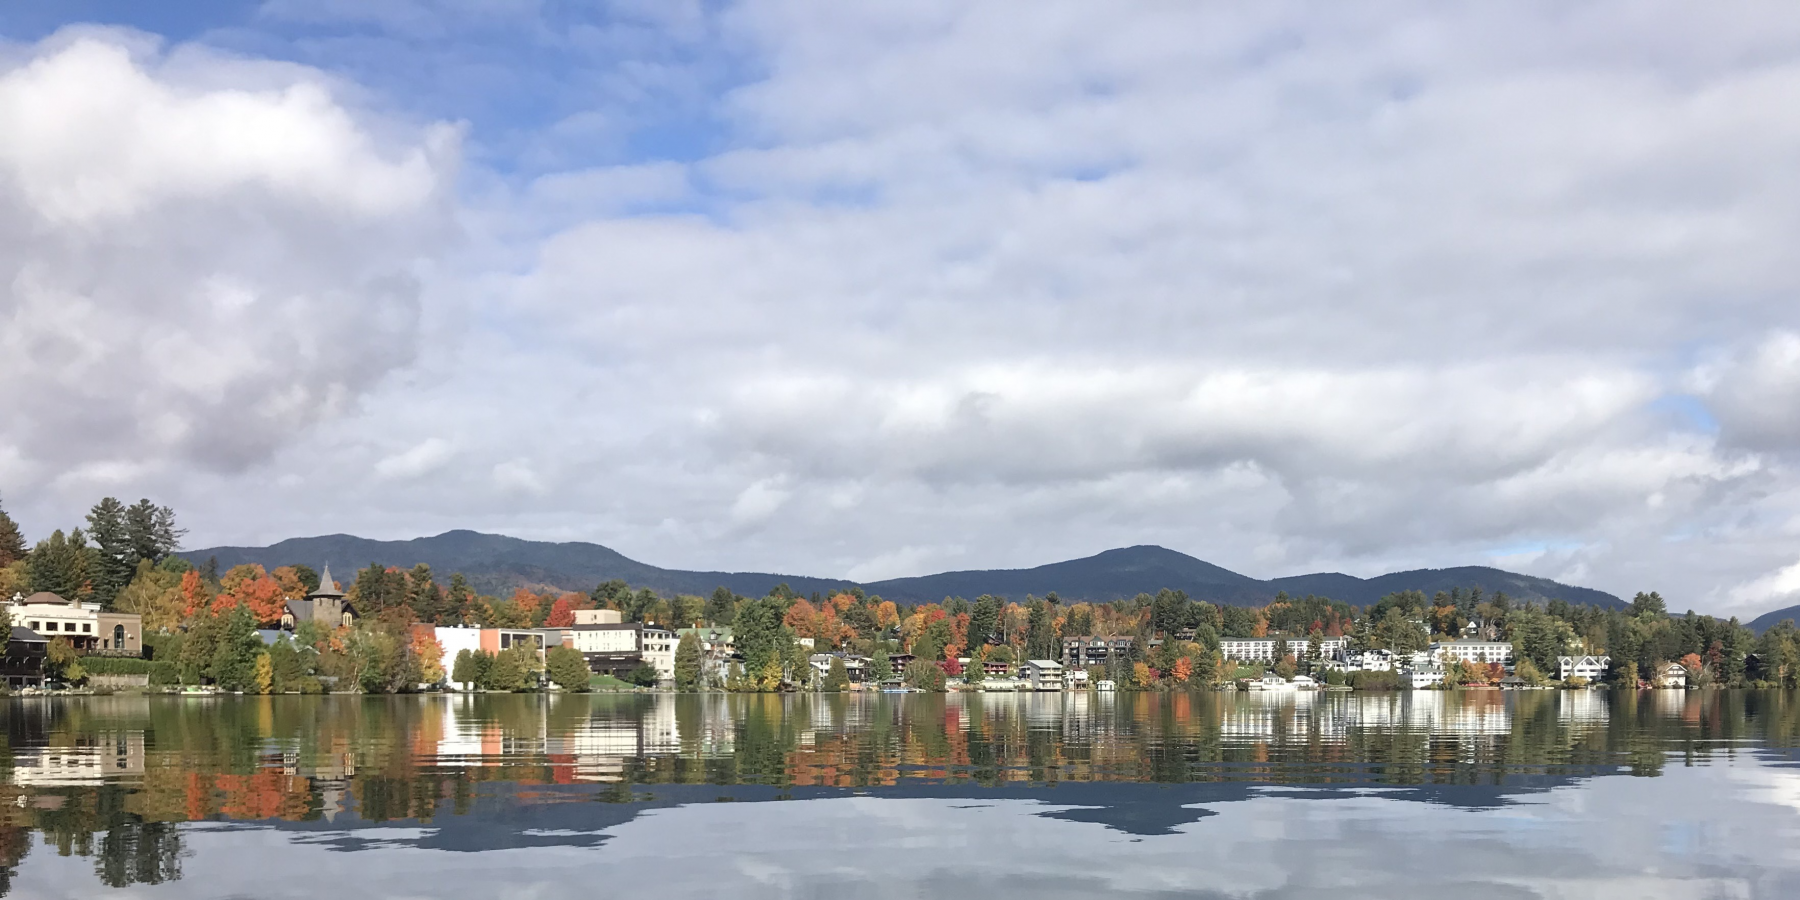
<point x="902" y="287"/>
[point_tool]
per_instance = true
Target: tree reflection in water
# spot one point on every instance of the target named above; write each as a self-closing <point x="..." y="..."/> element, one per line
<point x="113" y="778"/>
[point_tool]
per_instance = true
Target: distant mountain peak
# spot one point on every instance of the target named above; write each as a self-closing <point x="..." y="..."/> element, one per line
<point x="497" y="563"/>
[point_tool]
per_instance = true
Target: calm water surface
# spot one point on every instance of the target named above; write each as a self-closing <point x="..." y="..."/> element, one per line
<point x="1476" y="795"/>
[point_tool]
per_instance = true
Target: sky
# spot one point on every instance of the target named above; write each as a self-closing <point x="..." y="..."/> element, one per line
<point x="881" y="289"/>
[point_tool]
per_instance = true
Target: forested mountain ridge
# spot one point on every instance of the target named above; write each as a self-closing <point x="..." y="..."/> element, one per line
<point x="496" y="563"/>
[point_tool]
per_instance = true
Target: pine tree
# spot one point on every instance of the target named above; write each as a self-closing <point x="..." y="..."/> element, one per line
<point x="151" y="531"/>
<point x="12" y="542"/>
<point x="458" y="599"/>
<point x="883" y="664"/>
<point x="114" y="558"/>
<point x="839" y="677"/>
<point x="687" y="663"/>
<point x="62" y="565"/>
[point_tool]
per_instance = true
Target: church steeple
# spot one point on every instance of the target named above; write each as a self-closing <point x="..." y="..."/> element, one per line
<point x="327" y="587"/>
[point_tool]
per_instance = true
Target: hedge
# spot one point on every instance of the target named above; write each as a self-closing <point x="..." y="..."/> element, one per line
<point x="159" y="672"/>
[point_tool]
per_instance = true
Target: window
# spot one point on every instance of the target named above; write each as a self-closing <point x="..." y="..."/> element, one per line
<point x="35" y="626"/>
<point x="49" y="626"/>
<point x="87" y="628"/>
<point x="118" y="638"/>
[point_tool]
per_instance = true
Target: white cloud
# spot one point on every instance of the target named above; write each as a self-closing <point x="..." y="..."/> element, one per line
<point x="1289" y="288"/>
<point x="195" y="275"/>
<point x="423" y="458"/>
<point x="759" y="501"/>
<point x="1776" y="589"/>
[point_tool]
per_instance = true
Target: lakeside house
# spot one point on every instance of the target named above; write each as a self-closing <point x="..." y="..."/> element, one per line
<point x="856" y="667"/>
<point x="1592" y="668"/>
<point x="1671" y="675"/>
<point x="86" y="627"/>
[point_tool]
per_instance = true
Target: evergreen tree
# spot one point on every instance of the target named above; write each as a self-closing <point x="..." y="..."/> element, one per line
<point x="721" y="606"/>
<point x="882" y="664"/>
<point x="151" y="531"/>
<point x="458" y="600"/>
<point x="688" y="663"/>
<point x="1040" y="633"/>
<point x="838" y="678"/>
<point x="308" y="577"/>
<point x="567" y="667"/>
<point x="12" y="542"/>
<point x="62" y="565"/>
<point x="424" y="596"/>
<point x="114" y="558"/>
<point x="984" y="619"/>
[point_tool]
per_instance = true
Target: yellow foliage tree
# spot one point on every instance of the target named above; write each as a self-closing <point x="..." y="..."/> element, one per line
<point x="264" y="677"/>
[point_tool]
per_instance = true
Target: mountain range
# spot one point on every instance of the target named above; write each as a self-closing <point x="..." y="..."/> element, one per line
<point x="497" y="564"/>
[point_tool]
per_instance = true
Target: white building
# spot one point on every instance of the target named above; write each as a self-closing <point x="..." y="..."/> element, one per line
<point x="454" y="641"/>
<point x="1424" y="676"/>
<point x="1263" y="649"/>
<point x="620" y="648"/>
<point x="1043" y="674"/>
<point x="1592" y="668"/>
<point x="598" y="617"/>
<point x="1473" y="651"/>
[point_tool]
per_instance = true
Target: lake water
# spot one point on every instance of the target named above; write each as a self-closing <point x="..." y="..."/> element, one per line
<point x="1430" y="795"/>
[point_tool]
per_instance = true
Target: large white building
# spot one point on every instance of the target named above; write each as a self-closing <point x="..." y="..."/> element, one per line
<point x="1473" y="651"/>
<point x="1592" y="668"/>
<point x="1263" y="649"/>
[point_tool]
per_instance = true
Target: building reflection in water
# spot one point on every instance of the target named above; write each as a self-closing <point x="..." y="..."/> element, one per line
<point x="110" y="778"/>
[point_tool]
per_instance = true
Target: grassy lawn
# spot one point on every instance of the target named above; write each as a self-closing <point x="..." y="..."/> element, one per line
<point x="609" y="683"/>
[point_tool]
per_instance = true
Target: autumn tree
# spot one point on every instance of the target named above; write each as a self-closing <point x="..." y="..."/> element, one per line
<point x="195" y="597"/>
<point x="252" y="588"/>
<point x="427" y="657"/>
<point x="155" y="594"/>
<point x="562" y="612"/>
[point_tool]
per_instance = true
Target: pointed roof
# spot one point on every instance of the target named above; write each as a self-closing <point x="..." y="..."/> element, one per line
<point x="327" y="587"/>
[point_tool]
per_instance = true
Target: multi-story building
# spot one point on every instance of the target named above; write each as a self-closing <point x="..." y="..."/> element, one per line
<point x="1263" y="649"/>
<point x="1091" y="650"/>
<point x="84" y="625"/>
<point x="617" y="649"/>
<point x="1592" y="668"/>
<point x="1473" y="651"/>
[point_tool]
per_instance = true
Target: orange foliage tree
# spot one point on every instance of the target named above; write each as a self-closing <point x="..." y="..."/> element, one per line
<point x="1692" y="663"/>
<point x="194" y="595"/>
<point x="262" y="594"/>
<point x="1184" y="669"/>
<point x="562" y="612"/>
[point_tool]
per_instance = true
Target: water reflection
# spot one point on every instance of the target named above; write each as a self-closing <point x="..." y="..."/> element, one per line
<point x="113" y="779"/>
